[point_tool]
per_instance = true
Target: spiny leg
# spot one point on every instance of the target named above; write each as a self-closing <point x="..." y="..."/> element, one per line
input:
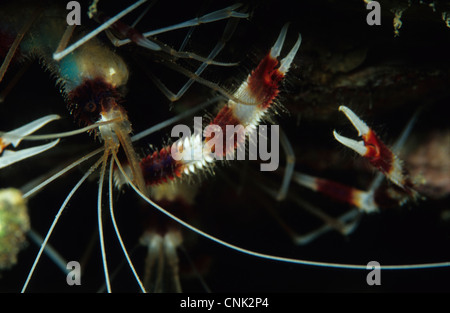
<point x="143" y="41"/>
<point x="334" y="223"/>
<point x="350" y="218"/>
<point x="364" y="201"/>
<point x="208" y="18"/>
<point x="192" y="76"/>
<point x="378" y="154"/>
<point x="152" y="44"/>
<point x="218" y="15"/>
<point x="298" y="239"/>
<point x="289" y="175"/>
<point x="229" y="30"/>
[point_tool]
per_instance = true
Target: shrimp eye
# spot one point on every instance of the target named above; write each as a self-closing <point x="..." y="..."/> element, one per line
<point x="90" y="107"/>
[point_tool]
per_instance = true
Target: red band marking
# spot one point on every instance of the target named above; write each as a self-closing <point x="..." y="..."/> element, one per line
<point x="225" y="117"/>
<point x="264" y="80"/>
<point x="337" y="191"/>
<point x="378" y="154"/>
<point x="160" y="167"/>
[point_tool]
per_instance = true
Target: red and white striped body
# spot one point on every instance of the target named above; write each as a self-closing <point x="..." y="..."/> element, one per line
<point x="255" y="97"/>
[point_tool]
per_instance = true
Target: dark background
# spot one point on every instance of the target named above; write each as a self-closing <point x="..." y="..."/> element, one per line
<point x="342" y="60"/>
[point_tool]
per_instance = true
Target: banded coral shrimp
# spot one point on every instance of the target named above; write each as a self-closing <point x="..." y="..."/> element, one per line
<point x="90" y="68"/>
<point x="284" y="247"/>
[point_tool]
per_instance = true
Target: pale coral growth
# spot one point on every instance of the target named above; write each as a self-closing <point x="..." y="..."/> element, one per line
<point x="14" y="223"/>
